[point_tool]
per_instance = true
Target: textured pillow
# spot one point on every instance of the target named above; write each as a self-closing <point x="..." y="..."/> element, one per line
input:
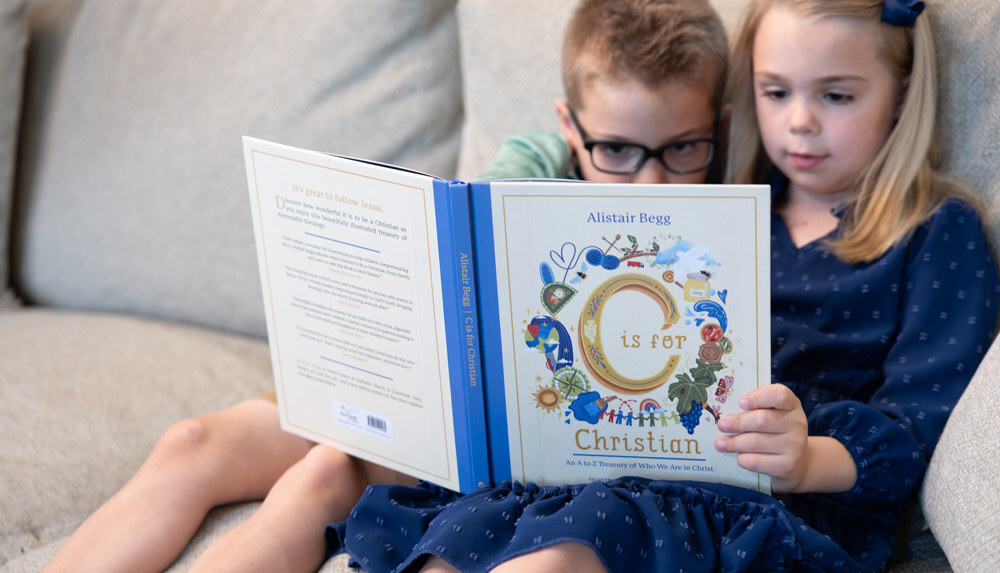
<point x="138" y="197"/>
<point x="511" y="52"/>
<point x="968" y="45"/>
<point x="13" y="41"/>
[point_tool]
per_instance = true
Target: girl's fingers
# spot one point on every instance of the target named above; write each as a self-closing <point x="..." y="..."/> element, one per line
<point x="754" y="421"/>
<point x="772" y="465"/>
<point x="776" y="396"/>
<point x="753" y="442"/>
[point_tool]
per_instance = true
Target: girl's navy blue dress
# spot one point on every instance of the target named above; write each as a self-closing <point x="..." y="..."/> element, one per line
<point x="878" y="354"/>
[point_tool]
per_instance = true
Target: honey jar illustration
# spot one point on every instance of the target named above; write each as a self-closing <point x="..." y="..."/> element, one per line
<point x="696" y="287"/>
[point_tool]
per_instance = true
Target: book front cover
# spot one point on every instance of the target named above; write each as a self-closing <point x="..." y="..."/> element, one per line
<point x="631" y="319"/>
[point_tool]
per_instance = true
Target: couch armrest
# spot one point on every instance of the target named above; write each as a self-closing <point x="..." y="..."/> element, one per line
<point x="960" y="497"/>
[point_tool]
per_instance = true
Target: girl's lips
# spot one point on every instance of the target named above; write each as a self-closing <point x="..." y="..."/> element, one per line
<point x="805" y="161"/>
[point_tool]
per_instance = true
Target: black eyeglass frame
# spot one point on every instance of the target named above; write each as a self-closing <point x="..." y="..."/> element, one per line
<point x="657" y="153"/>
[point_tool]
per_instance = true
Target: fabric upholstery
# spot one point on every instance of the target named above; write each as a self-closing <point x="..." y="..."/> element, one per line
<point x="965" y="35"/>
<point x="514" y="93"/>
<point x="163" y="92"/>
<point x="85" y="413"/>
<point x="13" y="43"/>
<point x="960" y="499"/>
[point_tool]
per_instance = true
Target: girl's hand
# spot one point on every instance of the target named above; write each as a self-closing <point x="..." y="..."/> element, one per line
<point x="772" y="438"/>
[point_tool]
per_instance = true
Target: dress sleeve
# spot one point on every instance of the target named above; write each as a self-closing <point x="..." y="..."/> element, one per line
<point x="530" y="154"/>
<point x="948" y="311"/>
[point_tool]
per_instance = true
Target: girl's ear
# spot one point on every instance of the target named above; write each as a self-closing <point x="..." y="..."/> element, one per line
<point x="901" y="100"/>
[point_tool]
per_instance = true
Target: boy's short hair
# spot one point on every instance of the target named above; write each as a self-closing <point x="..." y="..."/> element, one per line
<point x="654" y="42"/>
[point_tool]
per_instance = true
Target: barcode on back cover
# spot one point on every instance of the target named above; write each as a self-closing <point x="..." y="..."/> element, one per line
<point x="377" y="423"/>
<point x="362" y="420"/>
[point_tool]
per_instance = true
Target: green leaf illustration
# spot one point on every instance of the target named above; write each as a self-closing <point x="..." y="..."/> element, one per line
<point x="688" y="389"/>
<point x="704" y="373"/>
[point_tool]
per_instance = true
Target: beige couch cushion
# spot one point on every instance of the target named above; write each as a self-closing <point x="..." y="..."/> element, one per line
<point x="85" y="419"/>
<point x="136" y="194"/>
<point x="13" y="42"/>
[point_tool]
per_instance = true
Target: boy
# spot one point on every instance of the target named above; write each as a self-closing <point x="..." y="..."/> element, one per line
<point x="643" y="80"/>
<point x="638" y="75"/>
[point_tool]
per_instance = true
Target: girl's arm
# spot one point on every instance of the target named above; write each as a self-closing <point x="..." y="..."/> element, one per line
<point x="773" y="439"/>
<point x="946" y="284"/>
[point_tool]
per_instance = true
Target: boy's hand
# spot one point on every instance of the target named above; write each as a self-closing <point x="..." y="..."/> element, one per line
<point x="773" y="439"/>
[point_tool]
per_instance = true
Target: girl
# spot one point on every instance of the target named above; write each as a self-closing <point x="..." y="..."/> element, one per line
<point x="884" y="299"/>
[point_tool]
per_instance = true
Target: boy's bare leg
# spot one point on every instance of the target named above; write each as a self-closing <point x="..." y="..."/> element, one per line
<point x="565" y="556"/>
<point x="286" y="533"/>
<point x="234" y="455"/>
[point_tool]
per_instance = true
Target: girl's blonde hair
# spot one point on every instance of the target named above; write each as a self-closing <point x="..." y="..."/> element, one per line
<point x="900" y="189"/>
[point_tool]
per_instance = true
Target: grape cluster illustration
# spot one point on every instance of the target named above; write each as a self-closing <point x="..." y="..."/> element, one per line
<point x="691" y="419"/>
<point x="691" y="392"/>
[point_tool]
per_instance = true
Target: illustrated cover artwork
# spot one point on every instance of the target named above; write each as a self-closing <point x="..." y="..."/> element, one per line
<point x="553" y="332"/>
<point x="631" y="316"/>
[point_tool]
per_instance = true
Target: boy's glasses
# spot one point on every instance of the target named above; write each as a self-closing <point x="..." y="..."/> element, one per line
<point x="626" y="158"/>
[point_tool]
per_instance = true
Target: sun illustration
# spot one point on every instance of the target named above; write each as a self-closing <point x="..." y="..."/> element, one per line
<point x="547" y="398"/>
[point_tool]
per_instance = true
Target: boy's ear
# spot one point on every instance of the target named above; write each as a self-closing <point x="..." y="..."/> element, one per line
<point x="565" y="120"/>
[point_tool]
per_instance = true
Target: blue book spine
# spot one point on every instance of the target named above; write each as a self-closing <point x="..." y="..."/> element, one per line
<point x="489" y="326"/>
<point x="458" y="290"/>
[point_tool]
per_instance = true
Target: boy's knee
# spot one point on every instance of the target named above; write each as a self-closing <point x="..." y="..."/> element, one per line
<point x="326" y="468"/>
<point x="184" y="438"/>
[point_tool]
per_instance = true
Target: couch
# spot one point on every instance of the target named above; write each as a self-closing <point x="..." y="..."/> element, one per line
<point x="129" y="293"/>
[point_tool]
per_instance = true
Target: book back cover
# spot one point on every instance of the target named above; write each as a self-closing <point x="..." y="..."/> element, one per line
<point x="361" y="267"/>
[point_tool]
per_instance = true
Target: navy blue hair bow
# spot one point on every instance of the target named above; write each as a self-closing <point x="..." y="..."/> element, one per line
<point x="902" y="12"/>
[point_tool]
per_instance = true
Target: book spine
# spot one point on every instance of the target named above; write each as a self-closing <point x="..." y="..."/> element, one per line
<point x="489" y="326"/>
<point x="458" y="282"/>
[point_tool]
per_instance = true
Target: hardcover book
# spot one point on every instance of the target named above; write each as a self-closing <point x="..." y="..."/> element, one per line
<point x="552" y="332"/>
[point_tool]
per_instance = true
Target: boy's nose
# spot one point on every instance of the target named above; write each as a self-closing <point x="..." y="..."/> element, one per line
<point x="652" y="172"/>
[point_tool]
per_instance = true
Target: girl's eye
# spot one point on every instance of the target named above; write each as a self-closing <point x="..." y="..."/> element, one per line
<point x="838" y="97"/>
<point x="774" y="93"/>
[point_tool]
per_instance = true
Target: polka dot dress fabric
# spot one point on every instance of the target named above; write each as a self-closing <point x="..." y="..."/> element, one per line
<point x="878" y="354"/>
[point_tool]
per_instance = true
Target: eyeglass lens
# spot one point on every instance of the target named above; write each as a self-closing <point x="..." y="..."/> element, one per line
<point x="682" y="157"/>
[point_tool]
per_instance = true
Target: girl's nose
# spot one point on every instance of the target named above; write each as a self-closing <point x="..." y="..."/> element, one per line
<point x="801" y="119"/>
